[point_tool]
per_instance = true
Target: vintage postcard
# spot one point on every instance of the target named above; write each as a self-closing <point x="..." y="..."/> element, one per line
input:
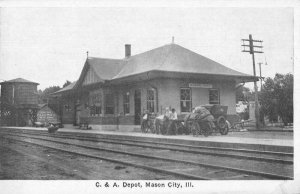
<point x="156" y="97"/>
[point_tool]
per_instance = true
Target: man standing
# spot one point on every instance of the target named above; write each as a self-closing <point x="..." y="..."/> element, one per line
<point x="172" y="127"/>
<point x="173" y="115"/>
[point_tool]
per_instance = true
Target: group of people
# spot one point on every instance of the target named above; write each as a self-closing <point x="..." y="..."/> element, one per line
<point x="168" y="122"/>
<point x="164" y="124"/>
<point x="172" y="115"/>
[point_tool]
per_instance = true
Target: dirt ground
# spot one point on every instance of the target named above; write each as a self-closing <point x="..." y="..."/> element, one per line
<point x="19" y="161"/>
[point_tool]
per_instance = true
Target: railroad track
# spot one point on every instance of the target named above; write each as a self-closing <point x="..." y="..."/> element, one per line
<point x="177" y="167"/>
<point x="256" y="155"/>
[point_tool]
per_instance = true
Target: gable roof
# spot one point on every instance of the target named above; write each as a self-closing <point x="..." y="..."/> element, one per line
<point x="65" y="89"/>
<point x="68" y="87"/>
<point x="174" y="58"/>
<point x="105" y="69"/>
<point x="170" y="58"/>
<point x="19" y="80"/>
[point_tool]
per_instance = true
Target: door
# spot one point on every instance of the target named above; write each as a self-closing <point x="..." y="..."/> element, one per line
<point x="77" y="116"/>
<point x="77" y="112"/>
<point x="137" y="107"/>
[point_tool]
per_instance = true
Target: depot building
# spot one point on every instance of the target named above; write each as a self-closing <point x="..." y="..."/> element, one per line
<point x="113" y="93"/>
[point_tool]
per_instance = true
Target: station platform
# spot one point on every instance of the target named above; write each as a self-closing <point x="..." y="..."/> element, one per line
<point x="256" y="140"/>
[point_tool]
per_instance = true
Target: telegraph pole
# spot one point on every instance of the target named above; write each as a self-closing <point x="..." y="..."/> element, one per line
<point x="260" y="63"/>
<point x="252" y="51"/>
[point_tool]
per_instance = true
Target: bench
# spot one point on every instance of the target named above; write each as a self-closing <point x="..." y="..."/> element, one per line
<point x="240" y="124"/>
<point x="84" y="125"/>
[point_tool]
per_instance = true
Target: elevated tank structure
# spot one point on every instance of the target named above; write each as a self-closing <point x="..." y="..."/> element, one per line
<point x="19" y="102"/>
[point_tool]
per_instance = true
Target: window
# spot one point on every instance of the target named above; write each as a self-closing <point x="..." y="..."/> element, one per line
<point x="126" y="103"/>
<point x="95" y="102"/>
<point x="214" y="97"/>
<point x="67" y="108"/>
<point x="185" y="100"/>
<point x="150" y="100"/>
<point x="109" y="104"/>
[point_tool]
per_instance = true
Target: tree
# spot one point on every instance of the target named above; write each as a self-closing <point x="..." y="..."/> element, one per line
<point x="244" y="94"/>
<point x="240" y="94"/>
<point x="40" y="96"/>
<point x="67" y="83"/>
<point x="44" y="95"/>
<point x="276" y="98"/>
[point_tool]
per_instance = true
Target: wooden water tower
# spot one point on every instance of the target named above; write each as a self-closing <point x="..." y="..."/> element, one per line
<point x="19" y="102"/>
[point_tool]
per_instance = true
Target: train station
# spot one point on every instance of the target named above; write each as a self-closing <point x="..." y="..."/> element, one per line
<point x="114" y="93"/>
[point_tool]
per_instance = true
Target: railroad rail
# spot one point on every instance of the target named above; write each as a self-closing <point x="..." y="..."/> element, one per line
<point x="215" y="151"/>
<point x="138" y="160"/>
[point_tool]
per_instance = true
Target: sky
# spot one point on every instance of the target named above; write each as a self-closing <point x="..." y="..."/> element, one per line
<point x="49" y="45"/>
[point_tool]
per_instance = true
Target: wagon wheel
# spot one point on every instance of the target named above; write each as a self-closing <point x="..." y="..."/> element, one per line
<point x="144" y="127"/>
<point x="152" y="127"/>
<point x="225" y="130"/>
<point x="221" y="122"/>
<point x="147" y="126"/>
<point x="175" y="128"/>
<point x="206" y="128"/>
<point x="180" y="128"/>
<point x="157" y="128"/>
<point x="187" y="127"/>
<point x="195" y="128"/>
<point x="163" y="129"/>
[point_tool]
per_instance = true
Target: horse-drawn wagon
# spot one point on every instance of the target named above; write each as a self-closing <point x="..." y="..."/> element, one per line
<point x="207" y="119"/>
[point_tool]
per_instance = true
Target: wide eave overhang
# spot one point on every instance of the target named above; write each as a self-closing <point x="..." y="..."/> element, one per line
<point x="182" y="75"/>
<point x="77" y="90"/>
<point x="155" y="74"/>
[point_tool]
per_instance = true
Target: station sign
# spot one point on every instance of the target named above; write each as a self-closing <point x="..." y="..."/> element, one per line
<point x="198" y="85"/>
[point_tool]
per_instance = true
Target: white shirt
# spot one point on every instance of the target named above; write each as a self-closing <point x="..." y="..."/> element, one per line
<point x="173" y="116"/>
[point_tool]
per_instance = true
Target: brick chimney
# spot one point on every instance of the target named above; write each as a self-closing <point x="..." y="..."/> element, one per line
<point x="127" y="50"/>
